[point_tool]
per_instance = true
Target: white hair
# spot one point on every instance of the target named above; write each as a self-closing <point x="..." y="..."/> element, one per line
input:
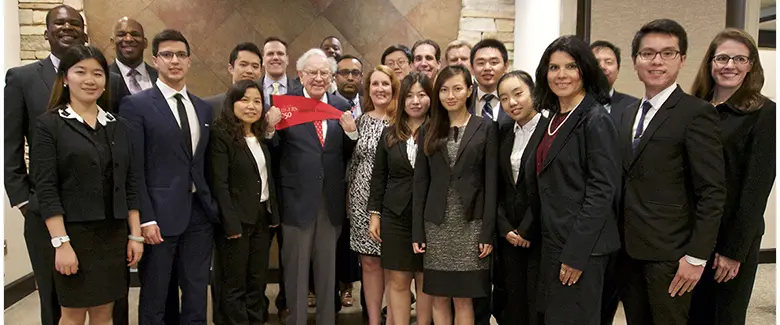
<point x="301" y="63"/>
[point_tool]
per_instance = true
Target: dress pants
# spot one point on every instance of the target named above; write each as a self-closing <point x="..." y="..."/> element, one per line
<point x="189" y="256"/>
<point x="41" y="252"/>
<point x="645" y="293"/>
<point x="241" y="269"/>
<point x="520" y="269"/>
<point x="578" y="304"/>
<point x="610" y="298"/>
<point x="725" y="303"/>
<point x="316" y="243"/>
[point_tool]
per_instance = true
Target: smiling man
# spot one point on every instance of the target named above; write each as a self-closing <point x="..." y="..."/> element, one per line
<point x="426" y="58"/>
<point x="245" y="63"/>
<point x="489" y="63"/>
<point x="129" y="42"/>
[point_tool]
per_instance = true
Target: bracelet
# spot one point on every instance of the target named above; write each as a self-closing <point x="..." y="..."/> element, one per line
<point x="136" y="238"/>
<point x="375" y="212"/>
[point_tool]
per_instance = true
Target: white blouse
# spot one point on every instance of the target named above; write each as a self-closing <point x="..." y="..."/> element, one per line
<point x="257" y="153"/>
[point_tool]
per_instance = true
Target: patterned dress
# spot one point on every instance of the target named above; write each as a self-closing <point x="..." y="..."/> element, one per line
<point x="359" y="177"/>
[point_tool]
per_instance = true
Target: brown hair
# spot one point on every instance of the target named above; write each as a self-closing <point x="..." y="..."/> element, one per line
<point x="438" y="125"/>
<point x="367" y="104"/>
<point x="748" y="97"/>
<point x="399" y="127"/>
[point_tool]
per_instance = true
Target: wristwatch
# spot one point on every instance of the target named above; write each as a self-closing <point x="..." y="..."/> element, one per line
<point x="58" y="241"/>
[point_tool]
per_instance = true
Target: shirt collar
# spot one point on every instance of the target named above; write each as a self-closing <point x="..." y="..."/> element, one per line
<point x="530" y="126"/>
<point x="124" y="69"/>
<point x="55" y="61"/>
<point x="659" y="99"/>
<point x="324" y="98"/>
<point x="612" y="92"/>
<point x="481" y="94"/>
<point x="103" y="117"/>
<point x="168" y="92"/>
<point x="269" y="82"/>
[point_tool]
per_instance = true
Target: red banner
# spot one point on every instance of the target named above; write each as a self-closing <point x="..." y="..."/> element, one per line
<point x="297" y="110"/>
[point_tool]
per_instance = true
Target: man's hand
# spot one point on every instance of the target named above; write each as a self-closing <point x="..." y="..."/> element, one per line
<point x="725" y="268"/>
<point x="273" y="117"/>
<point x="347" y="122"/>
<point x="152" y="234"/>
<point x="686" y="278"/>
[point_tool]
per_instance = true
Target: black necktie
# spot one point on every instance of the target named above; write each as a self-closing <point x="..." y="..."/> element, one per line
<point x="640" y="128"/>
<point x="487" y="109"/>
<point x="184" y="122"/>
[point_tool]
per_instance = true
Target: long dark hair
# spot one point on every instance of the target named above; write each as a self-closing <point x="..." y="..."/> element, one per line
<point x="399" y="129"/>
<point x="593" y="79"/>
<point x="60" y="96"/>
<point x="748" y="97"/>
<point x="229" y="122"/>
<point x="439" y="124"/>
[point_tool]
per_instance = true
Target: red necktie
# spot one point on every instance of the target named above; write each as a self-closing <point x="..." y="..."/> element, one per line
<point x="318" y="127"/>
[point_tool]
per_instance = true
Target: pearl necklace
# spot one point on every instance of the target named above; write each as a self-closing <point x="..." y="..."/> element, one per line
<point x="550" y="132"/>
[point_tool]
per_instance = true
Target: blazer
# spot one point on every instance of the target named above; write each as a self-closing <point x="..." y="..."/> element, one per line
<point x="119" y="88"/>
<point x="307" y="171"/>
<point x="113" y="67"/>
<point x="749" y="154"/>
<point x="392" y="177"/>
<point x="64" y="166"/>
<point x="294" y="86"/>
<point x="502" y="120"/>
<point x="619" y="104"/>
<point x="216" y="102"/>
<point x="573" y="195"/>
<point x="513" y="197"/>
<point x="474" y="175"/>
<point x="166" y="168"/>
<point x="237" y="184"/>
<point x="674" y="183"/>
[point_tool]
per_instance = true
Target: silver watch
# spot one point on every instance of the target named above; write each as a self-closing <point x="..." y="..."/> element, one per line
<point x="58" y="241"/>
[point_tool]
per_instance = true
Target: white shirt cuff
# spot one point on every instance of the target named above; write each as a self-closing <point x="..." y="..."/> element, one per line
<point x="352" y="135"/>
<point x="695" y="261"/>
<point x="148" y="223"/>
<point x="20" y="205"/>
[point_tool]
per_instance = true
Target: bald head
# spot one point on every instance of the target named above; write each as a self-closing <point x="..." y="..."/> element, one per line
<point x="129" y="41"/>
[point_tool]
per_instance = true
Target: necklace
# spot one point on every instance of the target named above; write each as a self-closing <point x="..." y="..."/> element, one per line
<point x="549" y="130"/>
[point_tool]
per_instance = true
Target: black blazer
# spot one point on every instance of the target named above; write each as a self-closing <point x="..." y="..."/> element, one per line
<point x="513" y="197"/>
<point x="237" y="185"/>
<point x="474" y="175"/>
<point x="502" y="120"/>
<point x="574" y="194"/>
<point x="64" y="166"/>
<point x="619" y="104"/>
<point x="392" y="177"/>
<point x="113" y="67"/>
<point x="216" y="102"/>
<point x="118" y="86"/>
<point x="674" y="184"/>
<point x="749" y="153"/>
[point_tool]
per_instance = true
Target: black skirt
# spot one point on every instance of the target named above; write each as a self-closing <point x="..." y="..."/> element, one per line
<point x="102" y="277"/>
<point x="396" y="233"/>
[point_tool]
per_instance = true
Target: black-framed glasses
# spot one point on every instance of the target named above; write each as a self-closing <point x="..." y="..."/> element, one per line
<point x="354" y="72"/>
<point x="167" y="55"/>
<point x="723" y="59"/>
<point x="665" y="54"/>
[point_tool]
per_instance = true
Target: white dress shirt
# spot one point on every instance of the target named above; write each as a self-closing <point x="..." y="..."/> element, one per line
<point x="268" y="86"/>
<point x="358" y="109"/>
<point x="411" y="150"/>
<point x="143" y="79"/>
<point x="55" y="61"/>
<point x="608" y="107"/>
<point x="522" y="135"/>
<point x="257" y="153"/>
<point x="495" y="103"/>
<point x="352" y="135"/>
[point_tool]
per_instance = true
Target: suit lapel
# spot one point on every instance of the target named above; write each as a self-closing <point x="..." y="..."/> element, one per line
<point x="506" y="155"/>
<point x="659" y="118"/>
<point x="47" y="72"/>
<point x="78" y="127"/>
<point x="566" y="129"/>
<point x="115" y="69"/>
<point x="627" y="134"/>
<point x="471" y="127"/>
<point x="401" y="146"/>
<point x="203" y="117"/>
<point x="248" y="154"/>
<point x="165" y="111"/>
<point x="152" y="73"/>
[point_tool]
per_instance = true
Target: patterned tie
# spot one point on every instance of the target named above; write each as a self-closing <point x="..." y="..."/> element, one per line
<point x="353" y="107"/>
<point x="320" y="135"/>
<point x="276" y="89"/>
<point x="134" y="86"/>
<point x="487" y="109"/>
<point x="640" y="127"/>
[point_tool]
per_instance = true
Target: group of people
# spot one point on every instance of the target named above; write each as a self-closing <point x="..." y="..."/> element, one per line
<point x="536" y="202"/>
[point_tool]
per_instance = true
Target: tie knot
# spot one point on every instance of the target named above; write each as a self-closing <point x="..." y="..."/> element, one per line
<point x="351" y="102"/>
<point x="646" y="106"/>
<point x="488" y="97"/>
<point x="178" y="96"/>
<point x="133" y="72"/>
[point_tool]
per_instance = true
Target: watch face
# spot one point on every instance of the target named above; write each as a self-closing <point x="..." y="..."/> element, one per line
<point x="56" y="242"/>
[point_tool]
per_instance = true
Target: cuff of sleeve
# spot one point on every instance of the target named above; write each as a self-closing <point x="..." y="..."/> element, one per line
<point x="695" y="261"/>
<point x="352" y="135"/>
<point x="148" y="223"/>
<point x="21" y="204"/>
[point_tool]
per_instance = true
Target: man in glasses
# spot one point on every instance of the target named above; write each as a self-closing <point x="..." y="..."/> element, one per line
<point x="170" y="136"/>
<point x="399" y="58"/>
<point x="349" y="79"/>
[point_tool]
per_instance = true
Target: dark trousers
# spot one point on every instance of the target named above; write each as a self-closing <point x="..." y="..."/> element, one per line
<point x="579" y="303"/>
<point x="38" y="241"/>
<point x="520" y="269"/>
<point x="610" y="297"/>
<point x="189" y="256"/>
<point x="645" y="293"/>
<point x="241" y="269"/>
<point x="121" y="313"/>
<point x="725" y="303"/>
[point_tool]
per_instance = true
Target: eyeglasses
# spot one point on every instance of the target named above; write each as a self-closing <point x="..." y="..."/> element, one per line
<point x="169" y="55"/>
<point x="399" y="63"/>
<point x="344" y="73"/>
<point x="665" y="54"/>
<point x="723" y="59"/>
<point x="314" y="73"/>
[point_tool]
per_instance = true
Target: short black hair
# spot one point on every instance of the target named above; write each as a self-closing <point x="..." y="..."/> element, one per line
<point x="349" y="57"/>
<point x="275" y="39"/>
<point x="602" y="44"/>
<point x="48" y="14"/>
<point x="489" y="43"/>
<point x="246" y="46"/>
<point x="168" y="35"/>
<point x="661" y="26"/>
<point x="329" y="37"/>
<point x="525" y="77"/>
<point x="396" y="48"/>
<point x="594" y="81"/>
<point x="428" y="42"/>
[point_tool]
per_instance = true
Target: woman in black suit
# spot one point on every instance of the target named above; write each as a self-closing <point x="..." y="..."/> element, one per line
<point x="731" y="77"/>
<point x="454" y="199"/>
<point x="519" y="258"/>
<point x="244" y="189"/>
<point x="80" y="165"/>
<point x="573" y="175"/>
<point x="390" y="200"/>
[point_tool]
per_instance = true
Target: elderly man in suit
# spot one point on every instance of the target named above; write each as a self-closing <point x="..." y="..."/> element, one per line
<point x="312" y="169"/>
<point x="245" y="63"/>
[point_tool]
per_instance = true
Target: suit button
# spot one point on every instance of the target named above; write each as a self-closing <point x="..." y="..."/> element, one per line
<point x="258" y="194"/>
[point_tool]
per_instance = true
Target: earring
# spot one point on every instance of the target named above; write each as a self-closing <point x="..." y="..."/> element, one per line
<point x="65" y="85"/>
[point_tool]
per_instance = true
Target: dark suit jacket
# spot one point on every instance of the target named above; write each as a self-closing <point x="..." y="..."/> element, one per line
<point x="574" y="193"/>
<point x="674" y="188"/>
<point x="115" y="69"/>
<point x="64" y="166"/>
<point x="474" y="175"/>
<point x="307" y="171"/>
<point x="166" y="168"/>
<point x="503" y="119"/>
<point x="619" y="104"/>
<point x="392" y="177"/>
<point x="216" y="102"/>
<point x="294" y="86"/>
<point x="513" y="197"/>
<point x="118" y="86"/>
<point x="237" y="184"/>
